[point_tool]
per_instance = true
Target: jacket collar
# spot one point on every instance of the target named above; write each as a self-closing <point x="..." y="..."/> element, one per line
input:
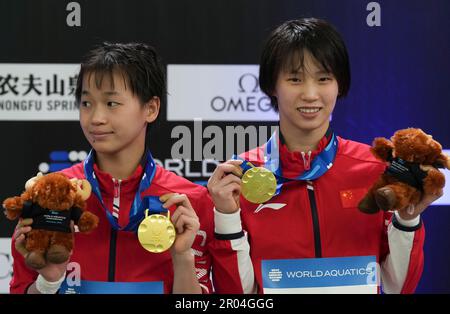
<point x="294" y="163"/>
<point x="128" y="185"/>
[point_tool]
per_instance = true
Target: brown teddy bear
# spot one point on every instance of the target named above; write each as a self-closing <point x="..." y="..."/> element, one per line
<point x="413" y="157"/>
<point x="52" y="201"/>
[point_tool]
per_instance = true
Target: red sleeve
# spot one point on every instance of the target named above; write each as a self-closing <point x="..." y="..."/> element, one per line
<point x="415" y="267"/>
<point x="219" y="258"/>
<point x="225" y="267"/>
<point x="384" y="249"/>
<point x="201" y="245"/>
<point x="231" y="264"/>
<point x="23" y="277"/>
<point x="416" y="258"/>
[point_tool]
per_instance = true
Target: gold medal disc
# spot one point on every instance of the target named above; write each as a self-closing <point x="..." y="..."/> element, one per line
<point x="156" y="233"/>
<point x="258" y="185"/>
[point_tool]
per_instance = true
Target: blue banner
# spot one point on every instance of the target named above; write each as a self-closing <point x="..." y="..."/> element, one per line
<point x="320" y="273"/>
<point x="106" y="287"/>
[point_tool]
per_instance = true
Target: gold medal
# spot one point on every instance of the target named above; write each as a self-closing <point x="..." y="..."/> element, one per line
<point x="258" y="185"/>
<point x="156" y="233"/>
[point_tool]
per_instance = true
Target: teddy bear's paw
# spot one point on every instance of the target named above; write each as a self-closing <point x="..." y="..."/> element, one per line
<point x="87" y="222"/>
<point x="434" y="182"/>
<point x="385" y="198"/>
<point x="367" y="205"/>
<point x="57" y="254"/>
<point x="12" y="204"/>
<point x="35" y="260"/>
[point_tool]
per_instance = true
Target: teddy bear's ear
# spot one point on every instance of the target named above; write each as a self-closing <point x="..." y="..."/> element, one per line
<point x="83" y="188"/>
<point x="382" y="148"/>
<point x="443" y="161"/>
<point x="29" y="184"/>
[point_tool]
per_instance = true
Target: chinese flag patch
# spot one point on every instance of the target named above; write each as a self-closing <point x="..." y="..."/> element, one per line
<point x="351" y="198"/>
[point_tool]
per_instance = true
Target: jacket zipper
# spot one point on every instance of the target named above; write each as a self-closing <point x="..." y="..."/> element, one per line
<point x="116" y="200"/>
<point x="113" y="236"/>
<point x="112" y="255"/>
<point x="315" y="219"/>
<point x="306" y="160"/>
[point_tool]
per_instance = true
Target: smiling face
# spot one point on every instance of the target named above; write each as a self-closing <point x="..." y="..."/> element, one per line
<point x="306" y="97"/>
<point x="111" y="116"/>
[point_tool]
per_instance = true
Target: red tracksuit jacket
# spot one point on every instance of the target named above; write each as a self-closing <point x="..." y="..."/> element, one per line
<point x="317" y="219"/>
<point x="106" y="255"/>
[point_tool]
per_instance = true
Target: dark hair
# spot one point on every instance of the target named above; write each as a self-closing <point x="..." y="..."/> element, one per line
<point x="138" y="63"/>
<point x="285" y="46"/>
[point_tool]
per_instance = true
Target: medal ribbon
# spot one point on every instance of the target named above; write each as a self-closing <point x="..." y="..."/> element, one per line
<point x="138" y="207"/>
<point x="319" y="165"/>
